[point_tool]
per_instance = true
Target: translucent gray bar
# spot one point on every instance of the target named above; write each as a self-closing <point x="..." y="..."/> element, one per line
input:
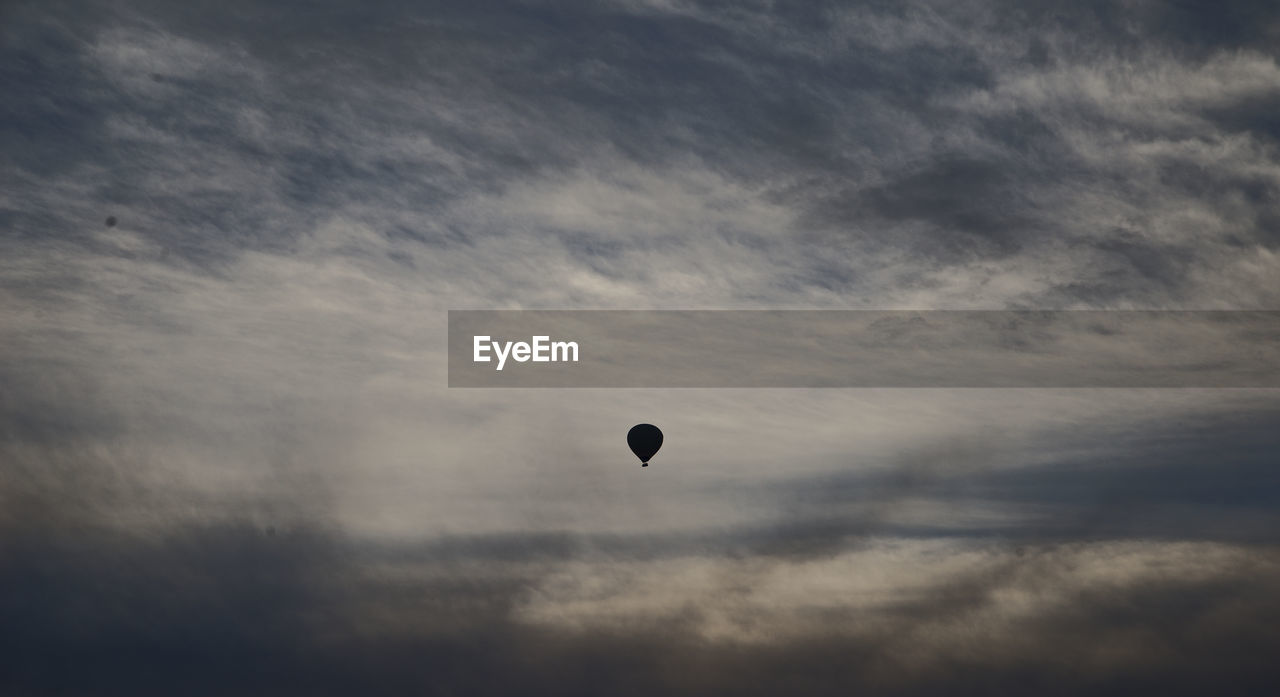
<point x="854" y="348"/>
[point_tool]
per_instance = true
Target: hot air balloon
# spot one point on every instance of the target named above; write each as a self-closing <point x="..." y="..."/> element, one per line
<point x="644" y="440"/>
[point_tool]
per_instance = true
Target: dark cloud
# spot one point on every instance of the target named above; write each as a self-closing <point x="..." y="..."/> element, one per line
<point x="1203" y="478"/>
<point x="848" y="114"/>
<point x="227" y="609"/>
<point x="1194" y="27"/>
<point x="970" y="197"/>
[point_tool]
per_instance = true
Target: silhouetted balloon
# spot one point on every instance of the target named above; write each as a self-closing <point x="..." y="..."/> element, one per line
<point x="111" y="221"/>
<point x="644" y="440"/>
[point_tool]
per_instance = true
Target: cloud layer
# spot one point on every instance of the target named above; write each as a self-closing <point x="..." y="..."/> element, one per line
<point x="229" y="463"/>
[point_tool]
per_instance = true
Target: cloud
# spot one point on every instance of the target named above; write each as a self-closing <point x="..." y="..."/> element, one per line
<point x="296" y="610"/>
<point x="230" y="463"/>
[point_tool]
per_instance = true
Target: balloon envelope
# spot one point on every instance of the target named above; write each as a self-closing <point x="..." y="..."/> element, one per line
<point x="644" y="440"/>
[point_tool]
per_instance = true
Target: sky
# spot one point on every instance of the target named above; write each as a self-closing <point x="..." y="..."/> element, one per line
<point x="230" y="233"/>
